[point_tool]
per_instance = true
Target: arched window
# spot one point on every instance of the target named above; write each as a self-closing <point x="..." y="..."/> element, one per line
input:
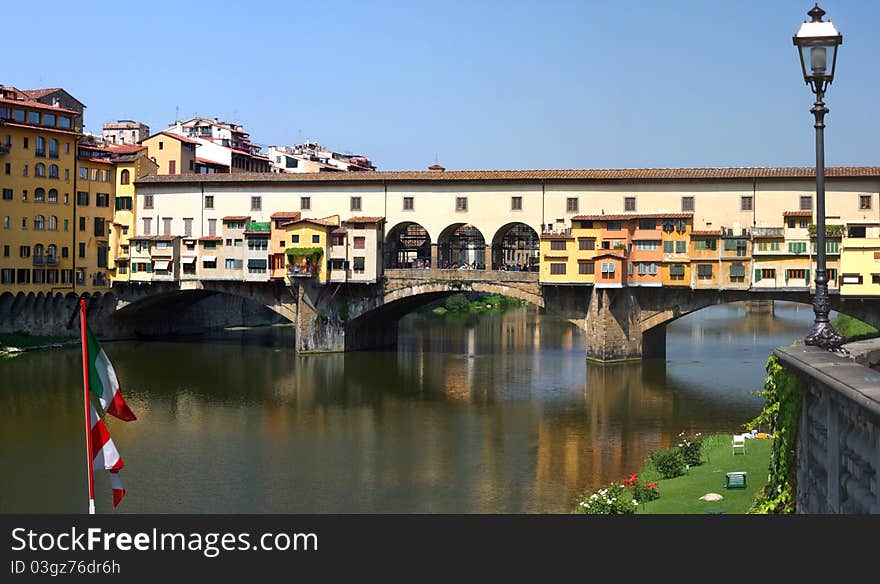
<point x="125" y="177"/>
<point x="39" y="196"/>
<point x="53" y="148"/>
<point x="53" y="196"/>
<point x="39" y="222"/>
<point x="53" y="171"/>
<point x="40" y="146"/>
<point x="38" y="250"/>
<point x="53" y="223"/>
<point x="52" y="250"/>
<point x="40" y="169"/>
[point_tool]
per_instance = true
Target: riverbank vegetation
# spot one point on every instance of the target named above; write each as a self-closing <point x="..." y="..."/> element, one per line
<point x="23" y="340"/>
<point x="673" y="480"/>
<point x="474" y="303"/>
<point x="853" y="329"/>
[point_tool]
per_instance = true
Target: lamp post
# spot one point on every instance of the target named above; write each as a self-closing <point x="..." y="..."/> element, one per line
<point x="817" y="43"/>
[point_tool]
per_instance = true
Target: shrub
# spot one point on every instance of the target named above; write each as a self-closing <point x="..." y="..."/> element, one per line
<point x="669" y="463"/>
<point x="641" y="492"/>
<point x="612" y="500"/>
<point x="691" y="448"/>
<point x="457" y="303"/>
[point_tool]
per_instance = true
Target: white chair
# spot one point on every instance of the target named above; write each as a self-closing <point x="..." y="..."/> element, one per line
<point x="739" y="441"/>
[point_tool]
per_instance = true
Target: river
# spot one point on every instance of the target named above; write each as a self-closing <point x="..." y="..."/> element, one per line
<point x="498" y="413"/>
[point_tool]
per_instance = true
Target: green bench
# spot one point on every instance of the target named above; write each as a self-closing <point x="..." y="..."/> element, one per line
<point x="735" y="480"/>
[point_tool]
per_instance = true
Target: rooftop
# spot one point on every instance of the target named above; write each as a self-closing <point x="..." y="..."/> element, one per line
<point x="525" y="175"/>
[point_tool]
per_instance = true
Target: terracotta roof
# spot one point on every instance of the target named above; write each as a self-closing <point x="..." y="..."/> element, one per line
<point x="339" y="231"/>
<point x="315" y="221"/>
<point x="125" y="148"/>
<point x="624" y="216"/>
<point x="211" y="238"/>
<point x="214" y="162"/>
<point x="556" y="236"/>
<point x="38" y="105"/>
<point x="615" y="253"/>
<point x="364" y="220"/>
<point x="236" y="218"/>
<point x="797" y="214"/>
<point x="527" y="175"/>
<point x="285" y="215"/>
<point x="41" y="128"/>
<point x="706" y="232"/>
<point x="154" y="237"/>
<point x="170" y="135"/>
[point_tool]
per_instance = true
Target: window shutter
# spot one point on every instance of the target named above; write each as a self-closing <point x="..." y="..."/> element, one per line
<point x="807" y="277"/>
<point x="757" y="274"/>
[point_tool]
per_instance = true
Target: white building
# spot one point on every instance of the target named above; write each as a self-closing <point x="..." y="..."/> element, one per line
<point x="222" y="145"/>
<point x="312" y="157"/>
<point x="125" y="132"/>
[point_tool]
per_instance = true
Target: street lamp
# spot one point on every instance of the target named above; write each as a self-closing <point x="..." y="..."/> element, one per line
<point x="817" y="43"/>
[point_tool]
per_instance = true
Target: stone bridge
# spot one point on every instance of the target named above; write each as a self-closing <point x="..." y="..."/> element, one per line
<point x="624" y="323"/>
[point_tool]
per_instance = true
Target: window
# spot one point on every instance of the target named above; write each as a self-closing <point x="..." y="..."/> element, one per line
<point x="99" y="226"/>
<point x="172" y="167"/>
<point x="647" y="224"/>
<point x="24" y="251"/>
<point x="797" y="247"/>
<point x="613" y="225"/>
<point x="864" y="202"/>
<point x="704" y="271"/>
<point x="796" y="274"/>
<point x="102" y="256"/>
<point x="557" y="269"/>
<point x="64" y="122"/>
<point x="705" y="244"/>
<point x="18" y="115"/>
<point x="629" y="204"/>
<point x="210" y="244"/>
<point x="806" y="203"/>
<point x="82" y="198"/>
<point x="294" y="239"/>
<point x="647" y="245"/>
<point x="461" y="204"/>
<point x="6" y="222"/>
<point x="608" y="269"/>
<point x="53" y="148"/>
<point x="586" y="244"/>
<point x="147" y="224"/>
<point x="187" y="226"/>
<point x="40" y="170"/>
<point x="687" y="204"/>
<point x="40" y="147"/>
<point x="53" y="223"/>
<point x="586" y="268"/>
<point x="39" y="223"/>
<point x="257" y="266"/>
<point x="359" y="264"/>
<point x="256" y="203"/>
<point x="82" y="250"/>
<point x="102" y="200"/>
<point x="737" y="272"/>
<point x="571" y="205"/>
<point x="647" y="269"/>
<point x="355" y="203"/>
<point x="745" y="203"/>
<point x="67" y="174"/>
<point x="305" y="203"/>
<point x="668" y="246"/>
<point x="123" y="203"/>
<point x="24" y="170"/>
<point x="516" y="203"/>
<point x="7" y="194"/>
<point x="316" y="239"/>
<point x="408" y="203"/>
<point x="676" y="271"/>
<point x="212" y="227"/>
<point x="82" y="223"/>
<point x="209" y="264"/>
<point x="258" y="244"/>
<point x="209" y="201"/>
<point x="67" y="227"/>
<point x="33" y="117"/>
<point x="558" y="245"/>
<point x="24" y="222"/>
<point x="53" y="196"/>
<point x="875" y="278"/>
<point x="125" y="177"/>
<point x="360" y="242"/>
<point x="166" y="225"/>
<point x="49" y="120"/>
<point x="64" y="252"/>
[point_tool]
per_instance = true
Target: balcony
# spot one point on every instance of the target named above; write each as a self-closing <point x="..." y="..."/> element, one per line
<point x="767" y="232"/>
<point x="302" y="271"/>
<point x="39" y="260"/>
<point x="51" y="260"/>
<point x="5" y="148"/>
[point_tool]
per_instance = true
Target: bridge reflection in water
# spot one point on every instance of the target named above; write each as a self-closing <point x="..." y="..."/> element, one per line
<point x="492" y="414"/>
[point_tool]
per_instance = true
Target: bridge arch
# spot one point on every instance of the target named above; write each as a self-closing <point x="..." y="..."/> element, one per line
<point x="461" y="243"/>
<point x="407" y="245"/>
<point x="516" y="244"/>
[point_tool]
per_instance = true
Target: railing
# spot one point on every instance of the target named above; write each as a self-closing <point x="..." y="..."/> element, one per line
<point x="767" y="231"/>
<point x="461" y="275"/>
<point x="51" y="260"/>
<point x="4" y="148"/>
<point x="38" y="260"/>
<point x="838" y="453"/>
<point x="302" y="272"/>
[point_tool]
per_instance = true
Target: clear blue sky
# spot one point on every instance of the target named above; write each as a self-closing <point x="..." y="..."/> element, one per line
<point x="479" y="85"/>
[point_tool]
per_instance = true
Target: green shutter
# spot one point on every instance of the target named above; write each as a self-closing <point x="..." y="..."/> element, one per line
<point x="807" y="277"/>
<point x="757" y="274"/>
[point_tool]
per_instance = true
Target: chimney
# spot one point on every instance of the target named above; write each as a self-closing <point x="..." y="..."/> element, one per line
<point x="437" y="168"/>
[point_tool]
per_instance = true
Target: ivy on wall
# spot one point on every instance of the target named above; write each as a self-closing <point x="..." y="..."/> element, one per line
<point x="783" y="399"/>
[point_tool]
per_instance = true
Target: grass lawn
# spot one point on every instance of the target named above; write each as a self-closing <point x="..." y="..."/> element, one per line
<point x="24" y="340"/>
<point x="681" y="494"/>
<point x="853" y="329"/>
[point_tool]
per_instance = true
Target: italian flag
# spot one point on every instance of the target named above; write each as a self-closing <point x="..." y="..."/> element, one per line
<point x="103" y="382"/>
<point x="104" y="453"/>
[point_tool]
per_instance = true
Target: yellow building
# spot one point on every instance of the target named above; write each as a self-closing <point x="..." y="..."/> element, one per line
<point x="860" y="260"/>
<point x="130" y="163"/>
<point x="568" y="255"/>
<point x="675" y="238"/>
<point x="307" y="248"/>
<point x="172" y="153"/>
<point x="95" y="186"/>
<point x="37" y="166"/>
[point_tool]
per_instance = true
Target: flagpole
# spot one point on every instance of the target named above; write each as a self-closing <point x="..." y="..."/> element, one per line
<point x="85" y="360"/>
